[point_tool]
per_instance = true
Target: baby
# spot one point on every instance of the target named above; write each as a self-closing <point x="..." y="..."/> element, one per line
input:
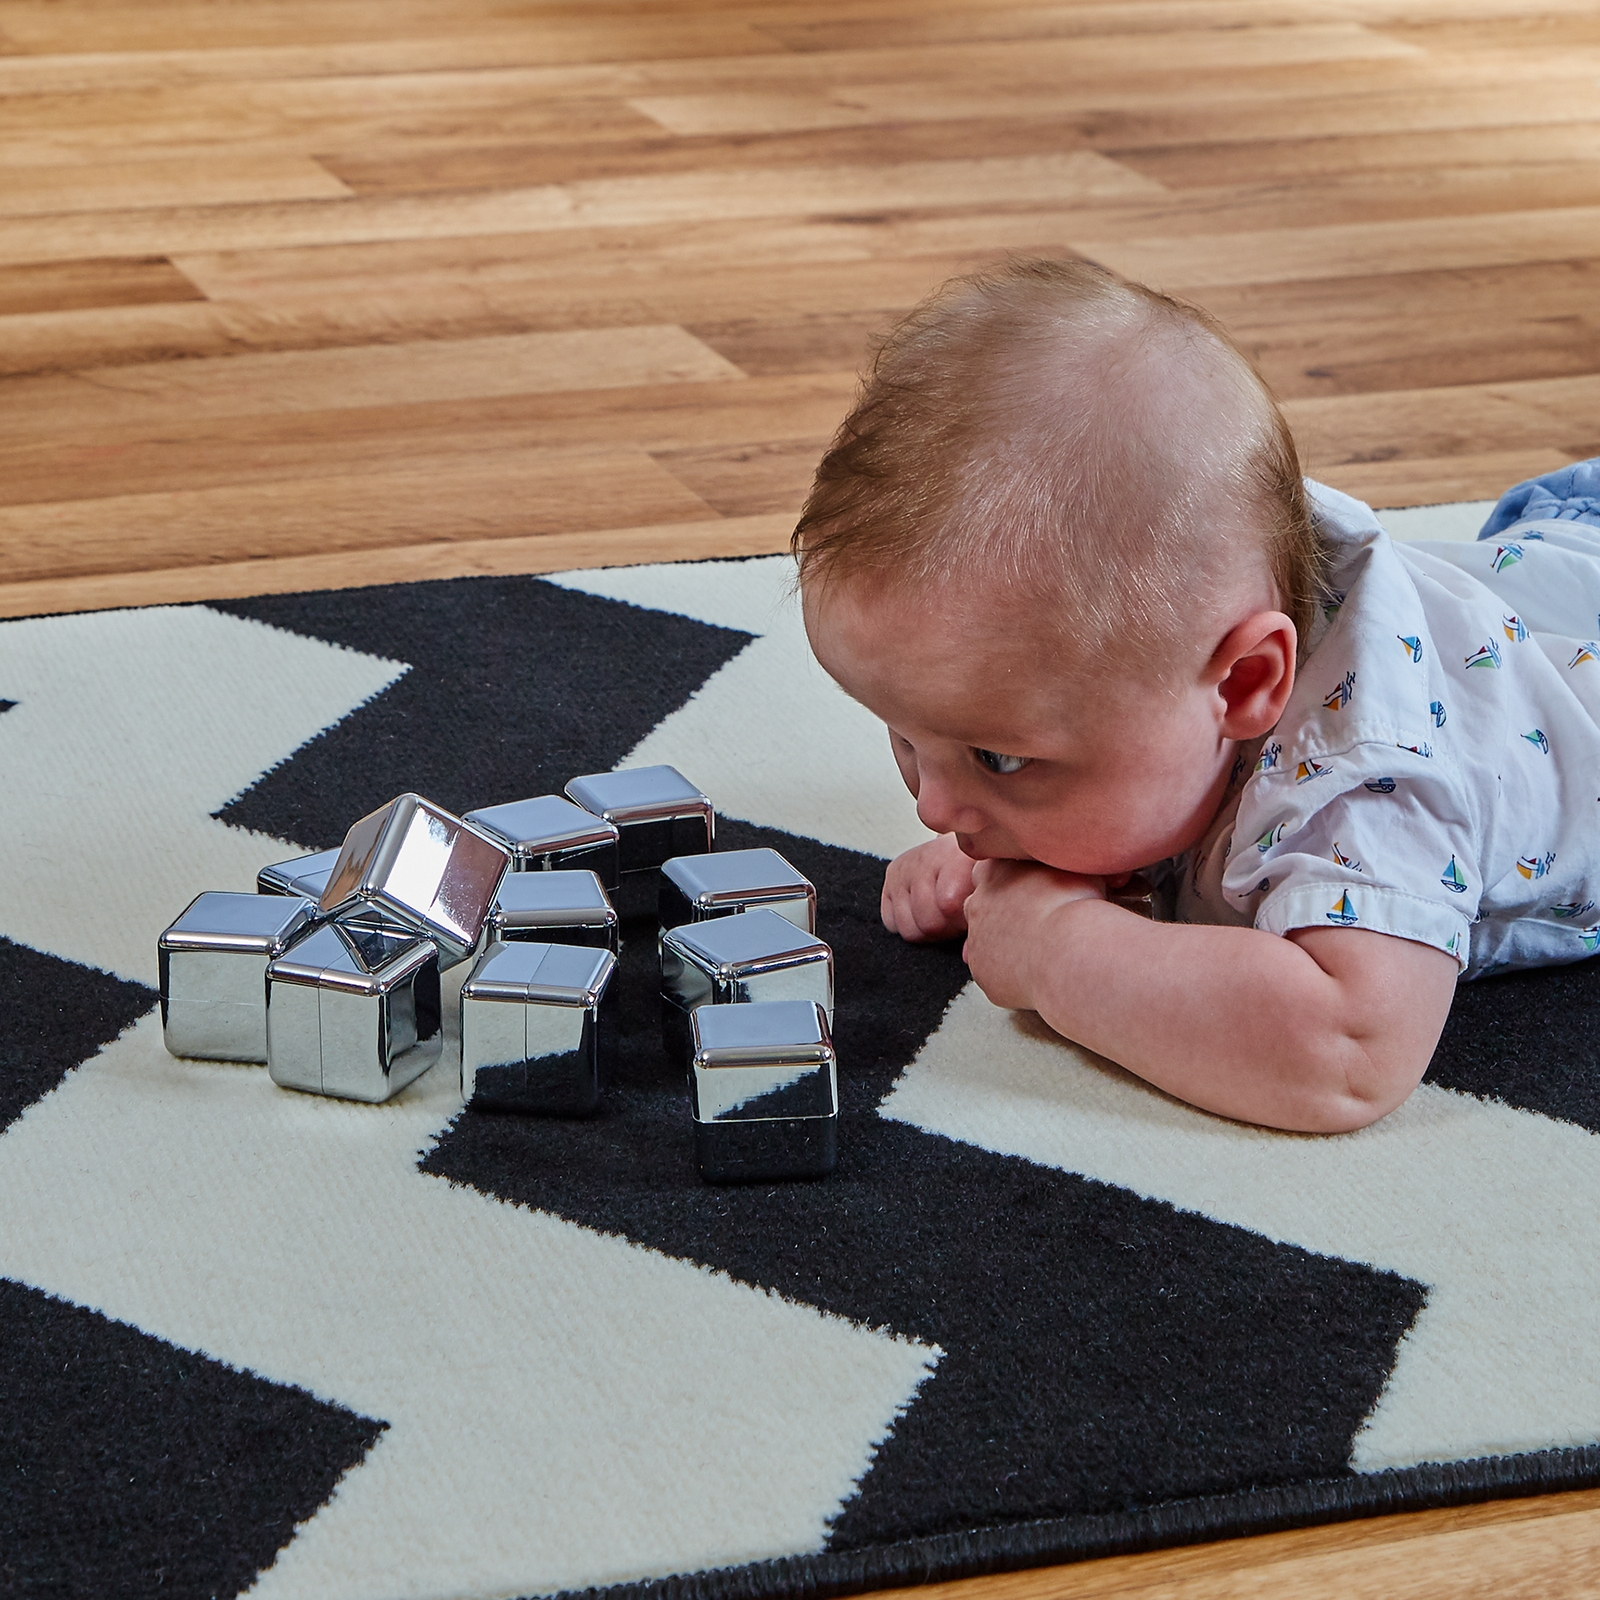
<point x="1062" y="546"/>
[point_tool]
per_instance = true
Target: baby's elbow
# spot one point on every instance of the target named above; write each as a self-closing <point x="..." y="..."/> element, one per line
<point x="1362" y="1083"/>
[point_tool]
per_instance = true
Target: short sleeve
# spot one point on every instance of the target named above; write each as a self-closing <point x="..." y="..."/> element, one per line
<point x="1377" y="837"/>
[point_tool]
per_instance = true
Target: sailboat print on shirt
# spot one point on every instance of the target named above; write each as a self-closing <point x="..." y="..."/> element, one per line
<point x="1451" y="878"/>
<point x="1516" y="628"/>
<point x="1505" y="555"/>
<point x="1307" y="770"/>
<point x="1487" y="655"/>
<point x="1337" y="699"/>
<point x="1343" y="913"/>
<point x="1587" y="651"/>
<point x="1411" y="644"/>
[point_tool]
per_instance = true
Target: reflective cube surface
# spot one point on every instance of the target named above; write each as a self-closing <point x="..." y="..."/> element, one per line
<point x="213" y="966"/>
<point x="756" y="955"/>
<point x="550" y="834"/>
<point x="353" y="1012"/>
<point x="534" y="1032"/>
<point x="764" y="1090"/>
<point x="658" y="812"/>
<point x="554" y="908"/>
<point x="307" y="875"/>
<point x="698" y="888"/>
<point x="412" y="865"/>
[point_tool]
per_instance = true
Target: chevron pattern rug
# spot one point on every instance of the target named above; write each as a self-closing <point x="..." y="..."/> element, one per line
<point x="254" y="1340"/>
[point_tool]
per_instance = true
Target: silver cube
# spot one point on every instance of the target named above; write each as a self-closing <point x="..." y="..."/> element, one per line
<point x="532" y="1029"/>
<point x="764" y="1089"/>
<point x="413" y="866"/>
<point x="657" y="811"/>
<point x="353" y="1012"/>
<point x="550" y="834"/>
<point x="307" y="875"/>
<point x="698" y="888"/>
<point x="213" y="964"/>
<point x="554" y="908"/>
<point x="756" y="955"/>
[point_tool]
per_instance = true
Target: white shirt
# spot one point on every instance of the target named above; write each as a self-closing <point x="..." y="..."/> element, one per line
<point x="1436" y="772"/>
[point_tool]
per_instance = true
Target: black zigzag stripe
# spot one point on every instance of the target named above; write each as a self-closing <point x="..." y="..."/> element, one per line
<point x="57" y="1014"/>
<point x="514" y="686"/>
<point x="1096" y="1344"/>
<point x="130" y="1468"/>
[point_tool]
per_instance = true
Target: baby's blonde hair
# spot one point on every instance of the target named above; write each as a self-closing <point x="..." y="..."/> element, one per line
<point x="1059" y="434"/>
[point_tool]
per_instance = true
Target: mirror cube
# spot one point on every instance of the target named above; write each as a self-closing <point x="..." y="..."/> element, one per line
<point x="213" y="972"/>
<point x="353" y="1012"/>
<point x="533" y="1029"/>
<point x="554" y="908"/>
<point x="698" y="888"/>
<point x="657" y="811"/>
<point x="307" y="875"/>
<point x="756" y="955"/>
<point x="764" y="1090"/>
<point x="550" y="834"/>
<point x="413" y="866"/>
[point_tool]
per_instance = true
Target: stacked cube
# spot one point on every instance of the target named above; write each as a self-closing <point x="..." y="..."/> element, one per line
<point x="330" y="973"/>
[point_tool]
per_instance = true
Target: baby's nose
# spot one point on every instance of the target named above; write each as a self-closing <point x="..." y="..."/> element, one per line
<point x="943" y="812"/>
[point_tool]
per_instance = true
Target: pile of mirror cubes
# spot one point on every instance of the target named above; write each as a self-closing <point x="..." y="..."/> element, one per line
<point x="330" y="973"/>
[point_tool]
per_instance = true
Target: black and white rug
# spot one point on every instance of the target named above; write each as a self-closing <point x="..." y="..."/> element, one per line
<point x="251" y="1340"/>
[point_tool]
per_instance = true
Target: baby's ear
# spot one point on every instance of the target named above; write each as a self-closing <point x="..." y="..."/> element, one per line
<point x="1253" y="670"/>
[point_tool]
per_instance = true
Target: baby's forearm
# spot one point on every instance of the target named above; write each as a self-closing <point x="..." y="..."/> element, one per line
<point x="1242" y="1022"/>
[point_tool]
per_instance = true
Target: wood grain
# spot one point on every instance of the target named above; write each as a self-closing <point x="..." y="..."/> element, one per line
<point x="322" y="293"/>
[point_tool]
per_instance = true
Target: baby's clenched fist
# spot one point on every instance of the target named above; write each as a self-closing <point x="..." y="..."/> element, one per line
<point x="925" y="890"/>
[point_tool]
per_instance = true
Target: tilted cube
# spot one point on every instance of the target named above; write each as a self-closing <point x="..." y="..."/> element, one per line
<point x="213" y="963"/>
<point x="757" y="955"/>
<point x="764" y="1090"/>
<point x="307" y="875"/>
<point x="554" y="908"/>
<point x="698" y="888"/>
<point x="413" y="866"/>
<point x="657" y="811"/>
<point x="353" y="1012"/>
<point x="550" y="834"/>
<point x="533" y="1029"/>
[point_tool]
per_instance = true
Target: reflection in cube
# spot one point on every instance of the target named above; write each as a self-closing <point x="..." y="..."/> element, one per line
<point x="213" y="965"/>
<point x="764" y="1091"/>
<point x="551" y="834"/>
<point x="534" y="1029"/>
<point x="698" y="888"/>
<point x="353" y="1012"/>
<point x="412" y="865"/>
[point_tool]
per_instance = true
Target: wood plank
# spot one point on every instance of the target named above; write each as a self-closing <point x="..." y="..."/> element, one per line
<point x="370" y="306"/>
<point x="1353" y="249"/>
<point x="611" y="202"/>
<point x="75" y="286"/>
<point x="524" y="493"/>
<point x="195" y="181"/>
<point x="1413" y="481"/>
<point x="770" y="476"/>
<point x="405" y="563"/>
<point x="320" y="380"/>
<point x="1514" y="1550"/>
<point x="1294" y="161"/>
<point x="1466" y="421"/>
<point x="1415" y="330"/>
<point x="200" y="450"/>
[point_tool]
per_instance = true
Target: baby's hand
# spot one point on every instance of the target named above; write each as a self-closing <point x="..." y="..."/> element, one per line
<point x="925" y="890"/>
<point x="1006" y="914"/>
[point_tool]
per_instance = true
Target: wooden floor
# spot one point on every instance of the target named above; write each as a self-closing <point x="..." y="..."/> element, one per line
<point x="299" y="293"/>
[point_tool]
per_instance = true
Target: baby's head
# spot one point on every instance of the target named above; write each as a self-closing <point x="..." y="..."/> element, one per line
<point x="1064" y="526"/>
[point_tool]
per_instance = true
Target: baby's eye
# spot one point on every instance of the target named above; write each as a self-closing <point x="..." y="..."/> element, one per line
<point x="996" y="762"/>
